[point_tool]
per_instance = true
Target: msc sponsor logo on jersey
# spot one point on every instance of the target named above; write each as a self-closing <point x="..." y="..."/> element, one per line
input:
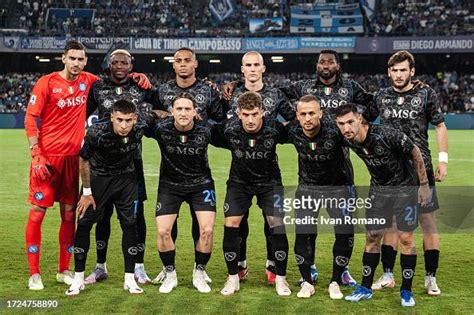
<point x="188" y="151"/>
<point x="82" y="86"/>
<point x="332" y="103"/>
<point x="317" y="157"/>
<point x="375" y="161"/>
<point x="400" y="113"/>
<point x="73" y="101"/>
<point x="254" y="155"/>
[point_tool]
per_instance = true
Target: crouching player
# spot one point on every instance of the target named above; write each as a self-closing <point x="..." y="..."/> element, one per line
<point x="108" y="176"/>
<point x="184" y="177"/>
<point x="254" y="172"/>
<point x="323" y="173"/>
<point x="395" y="165"/>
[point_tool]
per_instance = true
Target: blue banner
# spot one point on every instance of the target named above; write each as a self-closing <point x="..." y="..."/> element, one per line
<point x="326" y="18"/>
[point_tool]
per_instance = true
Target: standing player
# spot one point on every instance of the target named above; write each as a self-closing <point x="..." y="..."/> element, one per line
<point x="322" y="174"/>
<point x="254" y="172"/>
<point x="184" y="176"/>
<point x="396" y="168"/>
<point x="103" y="94"/>
<point x="208" y="106"/>
<point x="410" y="106"/>
<point x="59" y="100"/>
<point x="108" y="176"/>
<point x="274" y="103"/>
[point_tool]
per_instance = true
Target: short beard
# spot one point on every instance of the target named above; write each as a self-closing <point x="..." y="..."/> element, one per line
<point x="329" y="76"/>
<point x="407" y="81"/>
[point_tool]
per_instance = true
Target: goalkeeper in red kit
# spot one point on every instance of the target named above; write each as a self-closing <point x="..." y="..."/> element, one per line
<point x="59" y="101"/>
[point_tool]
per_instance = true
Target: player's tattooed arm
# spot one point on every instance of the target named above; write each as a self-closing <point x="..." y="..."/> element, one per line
<point x="442" y="141"/>
<point x="87" y="199"/>
<point x="424" y="193"/>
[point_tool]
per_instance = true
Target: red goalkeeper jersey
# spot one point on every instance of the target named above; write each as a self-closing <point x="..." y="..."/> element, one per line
<point x="61" y="106"/>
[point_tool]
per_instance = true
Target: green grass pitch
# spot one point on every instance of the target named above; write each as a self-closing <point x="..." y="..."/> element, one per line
<point x="255" y="296"/>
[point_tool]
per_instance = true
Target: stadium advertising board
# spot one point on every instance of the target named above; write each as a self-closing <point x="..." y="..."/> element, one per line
<point x="326" y="18"/>
<point x="272" y="43"/>
<point x="285" y="44"/>
<point x="50" y="43"/>
<point x="327" y="42"/>
<point x="167" y="45"/>
<point x="198" y="44"/>
<point x="438" y="44"/>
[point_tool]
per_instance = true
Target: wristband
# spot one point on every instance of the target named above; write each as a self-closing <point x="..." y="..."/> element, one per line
<point x="86" y="191"/>
<point x="424" y="183"/>
<point x="443" y="157"/>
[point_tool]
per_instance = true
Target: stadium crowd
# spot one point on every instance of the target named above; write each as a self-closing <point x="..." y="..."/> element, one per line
<point x="433" y="17"/>
<point x="456" y="91"/>
<point x="194" y="18"/>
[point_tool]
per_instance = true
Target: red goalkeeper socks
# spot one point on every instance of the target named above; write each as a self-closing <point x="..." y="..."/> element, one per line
<point x="66" y="239"/>
<point x="33" y="239"/>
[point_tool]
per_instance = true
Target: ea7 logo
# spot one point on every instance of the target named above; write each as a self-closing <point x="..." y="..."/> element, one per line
<point x="230" y="256"/>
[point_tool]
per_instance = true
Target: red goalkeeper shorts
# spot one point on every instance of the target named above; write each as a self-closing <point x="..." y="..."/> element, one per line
<point x="63" y="186"/>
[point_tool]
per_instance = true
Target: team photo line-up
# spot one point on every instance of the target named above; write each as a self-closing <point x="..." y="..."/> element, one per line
<point x="323" y="118"/>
